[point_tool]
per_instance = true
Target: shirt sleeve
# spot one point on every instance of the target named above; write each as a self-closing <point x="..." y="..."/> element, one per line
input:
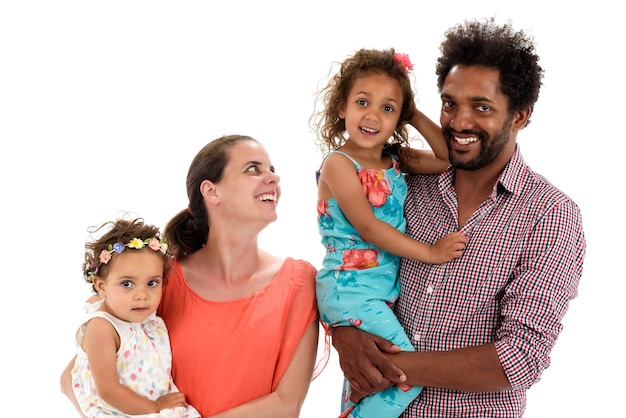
<point x="538" y="296"/>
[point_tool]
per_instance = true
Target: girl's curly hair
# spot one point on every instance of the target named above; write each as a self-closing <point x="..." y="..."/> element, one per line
<point x="330" y="128"/>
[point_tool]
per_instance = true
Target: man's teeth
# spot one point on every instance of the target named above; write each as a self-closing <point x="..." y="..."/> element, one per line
<point x="465" y="141"/>
<point x="266" y="197"/>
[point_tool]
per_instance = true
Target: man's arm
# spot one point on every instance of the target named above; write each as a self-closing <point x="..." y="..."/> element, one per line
<point x="469" y="369"/>
<point x="372" y="364"/>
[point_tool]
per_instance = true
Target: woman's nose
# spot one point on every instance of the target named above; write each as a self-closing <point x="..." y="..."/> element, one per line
<point x="272" y="177"/>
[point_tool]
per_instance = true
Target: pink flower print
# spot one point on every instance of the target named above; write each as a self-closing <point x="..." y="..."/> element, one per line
<point x="133" y="377"/>
<point x="355" y="322"/>
<point x="396" y="166"/>
<point x="375" y="186"/>
<point x="359" y="259"/>
<point x="126" y="354"/>
<point x="322" y="208"/>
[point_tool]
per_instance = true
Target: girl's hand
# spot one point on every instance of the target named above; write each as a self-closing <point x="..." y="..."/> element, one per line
<point x="447" y="247"/>
<point x="171" y="400"/>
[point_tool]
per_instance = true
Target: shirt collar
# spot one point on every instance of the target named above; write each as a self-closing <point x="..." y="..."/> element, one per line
<point x="510" y="180"/>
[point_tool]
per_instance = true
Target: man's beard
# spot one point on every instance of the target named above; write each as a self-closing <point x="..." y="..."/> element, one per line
<point x="489" y="148"/>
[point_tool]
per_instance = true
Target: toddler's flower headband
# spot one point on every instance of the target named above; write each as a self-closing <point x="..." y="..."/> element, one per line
<point x="153" y="243"/>
<point x="403" y="59"/>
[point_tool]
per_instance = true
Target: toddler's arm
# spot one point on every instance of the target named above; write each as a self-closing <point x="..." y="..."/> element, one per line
<point x="100" y="344"/>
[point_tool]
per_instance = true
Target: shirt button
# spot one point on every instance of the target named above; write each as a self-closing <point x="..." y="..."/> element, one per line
<point x="429" y="289"/>
<point x="417" y="337"/>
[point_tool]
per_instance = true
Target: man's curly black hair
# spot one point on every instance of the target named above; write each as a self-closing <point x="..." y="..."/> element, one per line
<point x="485" y="43"/>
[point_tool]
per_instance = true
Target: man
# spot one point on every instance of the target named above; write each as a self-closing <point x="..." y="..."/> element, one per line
<point x="484" y="324"/>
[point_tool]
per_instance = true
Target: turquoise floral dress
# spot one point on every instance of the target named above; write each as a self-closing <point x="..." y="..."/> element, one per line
<point x="358" y="282"/>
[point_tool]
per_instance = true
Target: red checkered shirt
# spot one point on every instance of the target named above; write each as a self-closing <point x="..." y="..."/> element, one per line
<point x="511" y="287"/>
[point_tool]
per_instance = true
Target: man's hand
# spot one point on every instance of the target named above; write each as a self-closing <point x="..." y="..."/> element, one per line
<point x="364" y="362"/>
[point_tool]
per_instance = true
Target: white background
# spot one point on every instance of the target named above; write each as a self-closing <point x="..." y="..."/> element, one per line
<point x="104" y="104"/>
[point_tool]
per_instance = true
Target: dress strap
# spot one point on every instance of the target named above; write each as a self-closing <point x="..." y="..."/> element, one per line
<point x="356" y="164"/>
<point x="319" y="170"/>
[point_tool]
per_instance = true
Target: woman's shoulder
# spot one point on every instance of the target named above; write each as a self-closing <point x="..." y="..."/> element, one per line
<point x="300" y="265"/>
<point x="298" y="272"/>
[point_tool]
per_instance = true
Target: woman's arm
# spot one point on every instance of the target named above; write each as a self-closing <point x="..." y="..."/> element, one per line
<point x="286" y="401"/>
<point x="416" y="161"/>
<point x="66" y="385"/>
<point x="339" y="176"/>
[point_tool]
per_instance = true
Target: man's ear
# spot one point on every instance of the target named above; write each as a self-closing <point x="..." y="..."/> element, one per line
<point x="520" y="118"/>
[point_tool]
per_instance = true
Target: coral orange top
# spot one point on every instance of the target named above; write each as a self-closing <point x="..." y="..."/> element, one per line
<point x="229" y="352"/>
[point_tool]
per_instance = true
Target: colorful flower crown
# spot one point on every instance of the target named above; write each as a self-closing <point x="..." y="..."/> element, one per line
<point x="153" y="243"/>
<point x="403" y="59"/>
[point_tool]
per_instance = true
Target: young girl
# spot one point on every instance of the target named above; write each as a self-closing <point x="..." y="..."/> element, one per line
<point x="361" y="193"/>
<point x="124" y="360"/>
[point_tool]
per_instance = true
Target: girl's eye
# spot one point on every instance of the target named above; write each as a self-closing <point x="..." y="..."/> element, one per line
<point x="389" y="108"/>
<point x="127" y="283"/>
<point x="361" y="102"/>
<point x="153" y="283"/>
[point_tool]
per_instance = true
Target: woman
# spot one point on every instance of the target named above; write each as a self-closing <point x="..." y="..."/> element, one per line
<point x="243" y="323"/>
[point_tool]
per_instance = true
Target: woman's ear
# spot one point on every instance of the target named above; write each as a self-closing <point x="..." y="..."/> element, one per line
<point x="208" y="190"/>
